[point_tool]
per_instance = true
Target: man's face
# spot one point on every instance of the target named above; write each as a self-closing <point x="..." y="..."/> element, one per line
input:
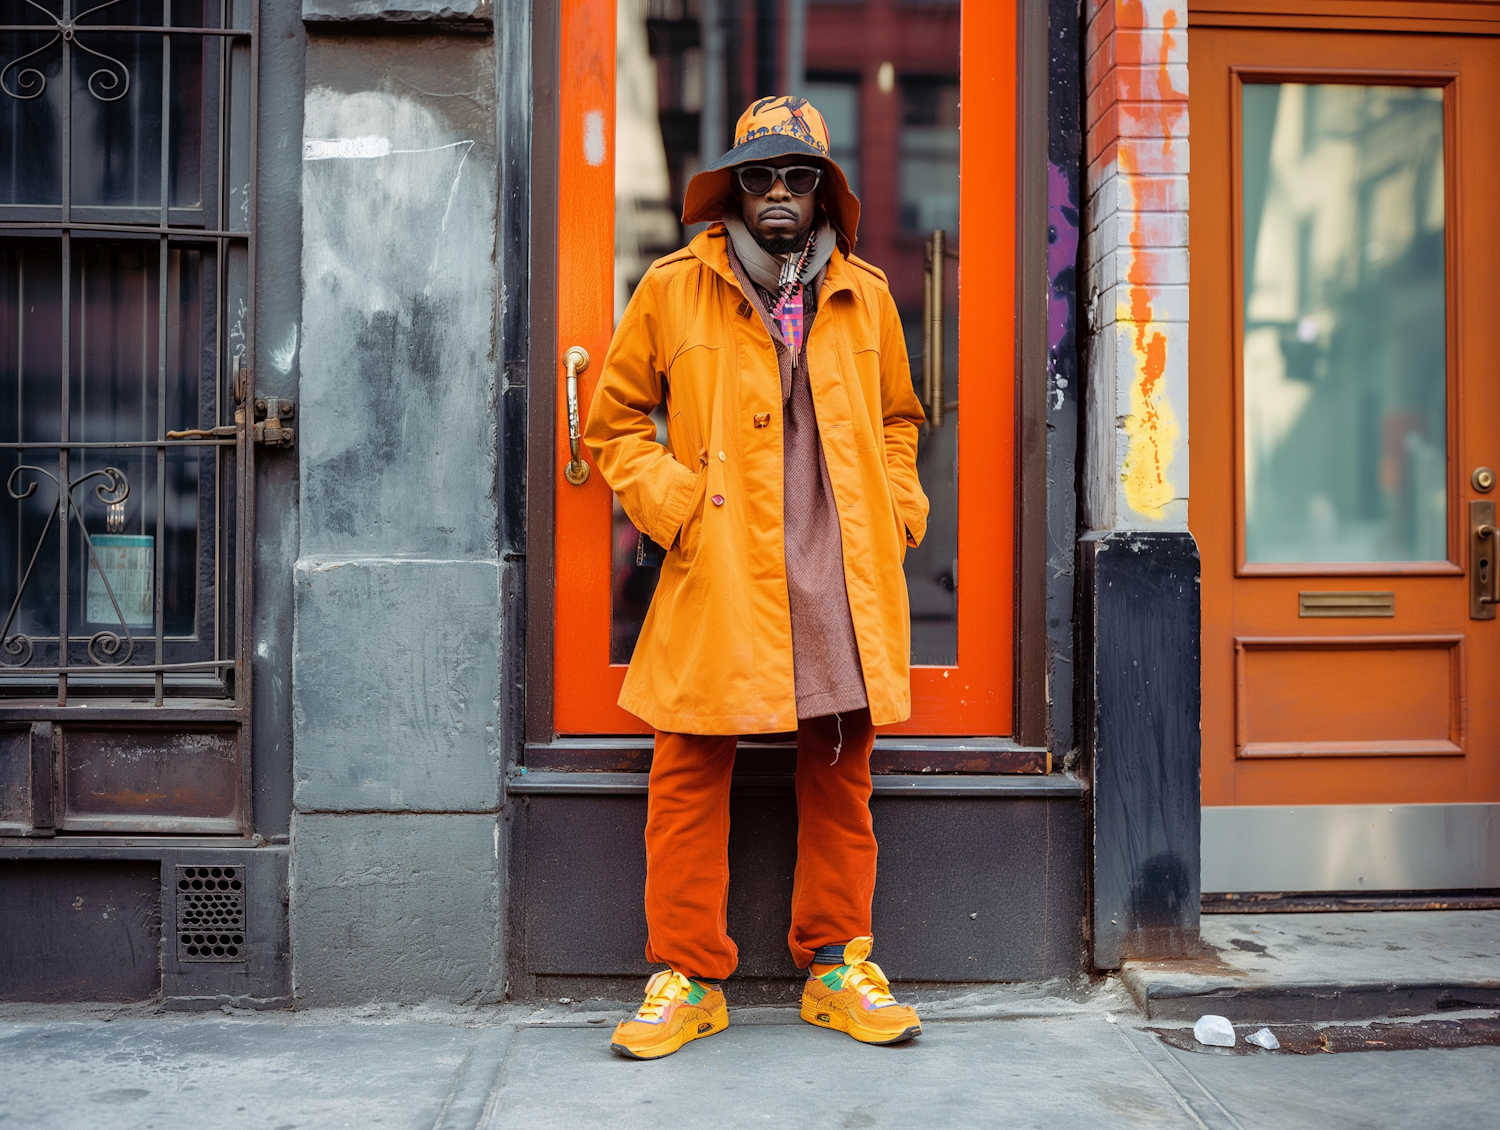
<point x="778" y="220"/>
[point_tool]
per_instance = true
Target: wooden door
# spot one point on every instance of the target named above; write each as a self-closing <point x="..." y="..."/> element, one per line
<point x="1344" y="374"/>
<point x="628" y="140"/>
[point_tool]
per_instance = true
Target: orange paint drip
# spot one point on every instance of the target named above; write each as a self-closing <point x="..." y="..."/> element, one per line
<point x="1151" y="426"/>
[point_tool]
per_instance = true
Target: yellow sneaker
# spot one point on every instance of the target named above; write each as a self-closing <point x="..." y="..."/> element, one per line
<point x="856" y="998"/>
<point x="676" y="1009"/>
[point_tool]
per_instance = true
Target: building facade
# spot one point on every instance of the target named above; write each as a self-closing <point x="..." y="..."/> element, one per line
<point x="313" y="642"/>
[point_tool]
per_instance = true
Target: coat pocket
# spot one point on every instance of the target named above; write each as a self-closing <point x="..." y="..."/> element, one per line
<point x="900" y="524"/>
<point x="864" y="399"/>
<point x="692" y="525"/>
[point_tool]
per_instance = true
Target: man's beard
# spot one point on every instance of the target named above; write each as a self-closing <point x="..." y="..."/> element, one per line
<point x="780" y="245"/>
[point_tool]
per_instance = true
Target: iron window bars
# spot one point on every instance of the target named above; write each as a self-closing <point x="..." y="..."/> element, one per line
<point x="89" y="102"/>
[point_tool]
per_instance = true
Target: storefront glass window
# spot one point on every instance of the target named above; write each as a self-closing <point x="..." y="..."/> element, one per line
<point x="884" y="74"/>
<point x="1344" y="354"/>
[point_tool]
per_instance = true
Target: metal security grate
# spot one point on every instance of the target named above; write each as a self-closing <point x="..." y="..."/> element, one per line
<point x="127" y="335"/>
<point x="210" y="913"/>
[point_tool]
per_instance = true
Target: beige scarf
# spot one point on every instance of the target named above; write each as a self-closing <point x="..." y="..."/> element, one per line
<point x="763" y="267"/>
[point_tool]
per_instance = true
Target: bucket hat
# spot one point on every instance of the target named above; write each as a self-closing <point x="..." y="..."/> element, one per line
<point x="776" y="127"/>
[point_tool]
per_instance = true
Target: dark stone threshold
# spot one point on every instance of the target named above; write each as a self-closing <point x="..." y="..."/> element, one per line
<point x="777" y="753"/>
<point x="1053" y="786"/>
<point x="1313" y="1039"/>
<point x="1337" y="902"/>
<point x="1327" y="1001"/>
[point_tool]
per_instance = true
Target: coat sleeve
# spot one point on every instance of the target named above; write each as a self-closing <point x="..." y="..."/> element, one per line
<point x="654" y="488"/>
<point x="902" y="417"/>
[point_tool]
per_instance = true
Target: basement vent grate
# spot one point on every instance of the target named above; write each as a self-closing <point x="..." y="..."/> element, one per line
<point x="210" y="913"/>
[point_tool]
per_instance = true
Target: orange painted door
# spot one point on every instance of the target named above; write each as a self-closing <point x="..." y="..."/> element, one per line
<point x="644" y="101"/>
<point x="1344" y="379"/>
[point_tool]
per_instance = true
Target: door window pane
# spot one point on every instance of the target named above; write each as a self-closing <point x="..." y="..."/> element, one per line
<point x="115" y="395"/>
<point x="1344" y="352"/>
<point x="686" y="69"/>
<point x="110" y="84"/>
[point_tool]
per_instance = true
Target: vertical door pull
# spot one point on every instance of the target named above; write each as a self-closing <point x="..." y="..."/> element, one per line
<point x="1484" y="561"/>
<point x="577" y="360"/>
<point x="935" y="255"/>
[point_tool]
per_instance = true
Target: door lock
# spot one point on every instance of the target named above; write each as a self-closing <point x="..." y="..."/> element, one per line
<point x="1484" y="561"/>
<point x="271" y="416"/>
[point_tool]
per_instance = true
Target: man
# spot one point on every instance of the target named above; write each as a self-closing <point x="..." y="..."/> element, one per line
<point x="786" y="499"/>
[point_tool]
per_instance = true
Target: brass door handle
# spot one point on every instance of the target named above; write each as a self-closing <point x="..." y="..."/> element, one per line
<point x="1484" y="561"/>
<point x="935" y="255"/>
<point x="577" y="360"/>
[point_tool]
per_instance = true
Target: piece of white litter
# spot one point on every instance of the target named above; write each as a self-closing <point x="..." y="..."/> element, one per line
<point x="564" y="1000"/>
<point x="1109" y="1018"/>
<point x="1215" y="1031"/>
<point x="1265" y="1038"/>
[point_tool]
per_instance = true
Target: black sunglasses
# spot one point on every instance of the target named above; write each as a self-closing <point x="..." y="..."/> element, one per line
<point x="758" y="179"/>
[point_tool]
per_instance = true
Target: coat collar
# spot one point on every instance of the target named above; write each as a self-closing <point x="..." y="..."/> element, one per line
<point x="711" y="247"/>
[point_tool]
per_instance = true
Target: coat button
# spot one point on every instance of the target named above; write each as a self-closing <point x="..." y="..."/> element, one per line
<point x="721" y="457"/>
<point x="718" y="500"/>
<point x="763" y="419"/>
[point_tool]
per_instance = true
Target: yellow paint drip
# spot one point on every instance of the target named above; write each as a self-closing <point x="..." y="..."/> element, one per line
<point x="1151" y="427"/>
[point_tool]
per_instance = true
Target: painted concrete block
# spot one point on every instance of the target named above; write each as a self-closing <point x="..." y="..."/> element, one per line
<point x="396" y="429"/>
<point x="1136" y="462"/>
<point x="1145" y="266"/>
<point x="395" y="685"/>
<point x="396" y="908"/>
<point x="1145" y="193"/>
<point x="1167" y="304"/>
<point x="1138" y="13"/>
<point x="1132" y="233"/>
<point x="437" y="12"/>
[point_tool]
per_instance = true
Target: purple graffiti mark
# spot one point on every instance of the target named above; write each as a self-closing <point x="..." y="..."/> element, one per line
<point x="1062" y="254"/>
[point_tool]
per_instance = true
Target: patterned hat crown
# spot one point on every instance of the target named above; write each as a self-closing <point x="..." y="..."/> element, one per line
<point x="782" y="125"/>
<point x="785" y="114"/>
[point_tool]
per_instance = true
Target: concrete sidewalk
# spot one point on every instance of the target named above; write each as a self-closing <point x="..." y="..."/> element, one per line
<point x="1060" y="1056"/>
<point x="1271" y="967"/>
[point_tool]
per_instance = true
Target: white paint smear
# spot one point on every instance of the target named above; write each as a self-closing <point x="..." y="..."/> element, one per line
<point x="593" y="137"/>
<point x="284" y="354"/>
<point x="329" y="148"/>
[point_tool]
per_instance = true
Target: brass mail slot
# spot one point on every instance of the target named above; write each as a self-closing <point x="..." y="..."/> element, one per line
<point x="1346" y="604"/>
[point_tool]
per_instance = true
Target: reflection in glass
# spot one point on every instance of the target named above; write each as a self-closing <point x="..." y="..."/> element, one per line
<point x="113" y="397"/>
<point x="114" y="96"/>
<point x="685" y="71"/>
<point x="837" y="99"/>
<point x="1345" y="372"/>
<point x="929" y="154"/>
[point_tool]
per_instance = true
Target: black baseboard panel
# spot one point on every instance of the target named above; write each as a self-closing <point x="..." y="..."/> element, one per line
<point x="983" y="889"/>
<point x="1142" y="690"/>
<point x="86" y="930"/>
<point x="96" y="920"/>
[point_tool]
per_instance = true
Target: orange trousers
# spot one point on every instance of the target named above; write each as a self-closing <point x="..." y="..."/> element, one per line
<point x="687" y="845"/>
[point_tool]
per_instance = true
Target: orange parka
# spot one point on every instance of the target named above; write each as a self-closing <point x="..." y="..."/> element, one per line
<point x="715" y="652"/>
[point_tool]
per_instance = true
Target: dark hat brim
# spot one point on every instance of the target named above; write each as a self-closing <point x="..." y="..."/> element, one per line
<point x="706" y="192"/>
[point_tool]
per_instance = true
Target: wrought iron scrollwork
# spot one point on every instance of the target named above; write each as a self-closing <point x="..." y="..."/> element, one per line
<point x="105" y="84"/>
<point x="104" y="646"/>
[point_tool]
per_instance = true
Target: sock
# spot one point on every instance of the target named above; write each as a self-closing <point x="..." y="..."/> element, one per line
<point x="829" y="956"/>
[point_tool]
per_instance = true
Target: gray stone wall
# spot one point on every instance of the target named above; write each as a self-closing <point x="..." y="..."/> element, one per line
<point x="395" y="876"/>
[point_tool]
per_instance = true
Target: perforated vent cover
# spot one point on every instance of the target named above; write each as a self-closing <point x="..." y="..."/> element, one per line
<point x="210" y="913"/>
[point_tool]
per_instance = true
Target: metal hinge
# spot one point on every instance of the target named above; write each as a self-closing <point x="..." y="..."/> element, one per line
<point x="271" y="412"/>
